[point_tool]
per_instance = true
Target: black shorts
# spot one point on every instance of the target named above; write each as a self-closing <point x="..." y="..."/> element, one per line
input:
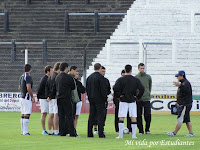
<point x="184" y="113"/>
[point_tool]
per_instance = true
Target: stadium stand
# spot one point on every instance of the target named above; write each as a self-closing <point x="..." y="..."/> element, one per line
<point x="171" y="29"/>
<point x="43" y="20"/>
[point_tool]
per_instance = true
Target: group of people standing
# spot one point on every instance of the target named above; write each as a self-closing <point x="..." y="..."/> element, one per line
<point x="59" y="93"/>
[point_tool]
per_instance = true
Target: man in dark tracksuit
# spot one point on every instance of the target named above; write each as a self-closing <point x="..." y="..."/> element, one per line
<point x="97" y="96"/>
<point x="108" y="88"/>
<point x="64" y="84"/>
<point x="184" y="102"/>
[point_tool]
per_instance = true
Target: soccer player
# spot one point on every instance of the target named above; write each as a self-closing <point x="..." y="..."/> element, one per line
<point x="81" y="90"/>
<point x="116" y="102"/>
<point x="42" y="97"/>
<point x="126" y="89"/>
<point x="25" y="86"/>
<point x="97" y="96"/>
<point x="64" y="84"/>
<point x="53" y="107"/>
<point x="184" y="102"/>
<point x="144" y="102"/>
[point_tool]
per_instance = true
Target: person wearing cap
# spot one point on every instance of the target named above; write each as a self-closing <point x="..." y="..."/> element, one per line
<point x="184" y="102"/>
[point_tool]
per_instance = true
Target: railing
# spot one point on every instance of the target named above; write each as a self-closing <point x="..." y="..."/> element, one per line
<point x="96" y="15"/>
<point x="14" y="46"/>
<point x="6" y="21"/>
<point x="57" y="2"/>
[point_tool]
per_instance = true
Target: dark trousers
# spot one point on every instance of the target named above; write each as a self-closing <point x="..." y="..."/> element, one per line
<point x="66" y="121"/>
<point x="117" y="119"/>
<point x="97" y="112"/>
<point x="146" y="105"/>
<point x="106" y="105"/>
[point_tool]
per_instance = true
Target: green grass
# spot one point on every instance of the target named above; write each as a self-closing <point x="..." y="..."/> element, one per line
<point x="11" y="138"/>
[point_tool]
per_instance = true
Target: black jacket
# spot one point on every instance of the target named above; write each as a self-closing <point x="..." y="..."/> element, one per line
<point x="80" y="88"/>
<point x="62" y="89"/>
<point x="126" y="89"/>
<point x="108" y="86"/>
<point x="41" y="88"/>
<point x="96" y="88"/>
<point x="50" y="84"/>
<point x="184" y="93"/>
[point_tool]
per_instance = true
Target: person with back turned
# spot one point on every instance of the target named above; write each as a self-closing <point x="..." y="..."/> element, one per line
<point x="97" y="96"/>
<point x="126" y="89"/>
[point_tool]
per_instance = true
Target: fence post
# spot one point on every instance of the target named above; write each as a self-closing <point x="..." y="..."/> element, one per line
<point x="6" y="22"/>
<point x="84" y="66"/>
<point x="13" y="51"/>
<point x="66" y="21"/>
<point x="28" y="2"/>
<point x="57" y="2"/>
<point x="87" y="1"/>
<point x="96" y="21"/>
<point x="44" y="51"/>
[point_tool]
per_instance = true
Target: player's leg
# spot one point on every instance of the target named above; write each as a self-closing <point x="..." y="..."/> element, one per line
<point x="100" y="119"/>
<point x="78" y="112"/>
<point x="55" y="118"/>
<point x="116" y="117"/>
<point x="133" y="115"/>
<point x="139" y="117"/>
<point x="147" y="116"/>
<point x="50" y="119"/>
<point x="187" y="121"/>
<point x="44" y="105"/>
<point x="123" y="110"/>
<point x="43" y="119"/>
<point x="22" y="115"/>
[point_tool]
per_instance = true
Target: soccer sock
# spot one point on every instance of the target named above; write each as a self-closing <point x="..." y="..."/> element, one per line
<point x="25" y="124"/>
<point x="134" y="128"/>
<point x="22" y="118"/>
<point x="121" y="128"/>
<point x="56" y="131"/>
<point x="50" y="132"/>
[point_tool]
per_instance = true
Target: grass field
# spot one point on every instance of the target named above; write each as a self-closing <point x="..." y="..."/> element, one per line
<point x="11" y="138"/>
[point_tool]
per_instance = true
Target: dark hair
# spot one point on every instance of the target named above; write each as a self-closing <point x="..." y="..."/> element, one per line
<point x="27" y="68"/>
<point x="97" y="66"/>
<point x="47" y="68"/>
<point x="56" y="66"/>
<point x="73" y="68"/>
<point x="128" y="68"/>
<point x="123" y="71"/>
<point x="63" y="65"/>
<point x="140" y="64"/>
<point x="102" y="67"/>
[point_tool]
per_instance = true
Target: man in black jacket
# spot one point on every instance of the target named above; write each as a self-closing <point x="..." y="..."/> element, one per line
<point x="64" y="84"/>
<point x="184" y="102"/>
<point x="97" y="96"/>
<point x="42" y="97"/>
<point x="126" y="89"/>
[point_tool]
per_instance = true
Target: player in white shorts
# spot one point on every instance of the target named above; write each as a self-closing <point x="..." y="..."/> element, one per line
<point x="42" y="96"/>
<point x="125" y="90"/>
<point x="53" y="107"/>
<point x="25" y="86"/>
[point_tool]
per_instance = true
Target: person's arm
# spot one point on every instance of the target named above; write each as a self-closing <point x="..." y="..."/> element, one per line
<point x="140" y="88"/>
<point x="40" y="87"/>
<point x="150" y="84"/>
<point x="80" y="87"/>
<point x="103" y="87"/>
<point x="72" y="83"/>
<point x="28" y="86"/>
<point x="108" y="88"/>
<point x="117" y="89"/>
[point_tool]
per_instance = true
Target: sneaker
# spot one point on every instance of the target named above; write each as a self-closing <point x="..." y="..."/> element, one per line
<point x="190" y="135"/>
<point x="119" y="137"/>
<point x="45" y="133"/>
<point x="170" y="133"/>
<point x="104" y="132"/>
<point x="51" y="134"/>
<point x="95" y="132"/>
<point x="148" y="132"/>
<point x="141" y="133"/>
<point x="134" y="137"/>
<point x="56" y="134"/>
<point x="27" y="134"/>
<point x="130" y="133"/>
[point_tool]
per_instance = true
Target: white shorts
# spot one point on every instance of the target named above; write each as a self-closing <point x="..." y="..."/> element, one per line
<point x="124" y="108"/>
<point x="44" y="106"/>
<point x="78" y="108"/>
<point x="26" y="106"/>
<point x="53" y="107"/>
